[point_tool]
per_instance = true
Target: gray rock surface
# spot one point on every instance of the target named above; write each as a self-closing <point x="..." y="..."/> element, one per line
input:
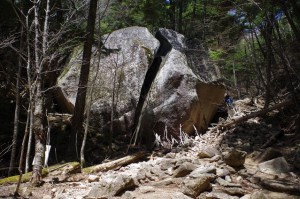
<point x="111" y="185"/>
<point x="275" y="166"/>
<point x="234" y="158"/>
<point x="179" y="97"/>
<point x="208" y="152"/>
<point x="193" y="187"/>
<point x="184" y="169"/>
<point x="126" y="55"/>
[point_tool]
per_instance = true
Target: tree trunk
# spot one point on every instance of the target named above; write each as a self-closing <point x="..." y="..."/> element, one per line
<point x="180" y="13"/>
<point x="290" y="20"/>
<point x="269" y="57"/>
<point x="255" y="58"/>
<point x="112" y="109"/>
<point x="22" y="152"/>
<point x="172" y="14"/>
<point x="78" y="116"/>
<point x="17" y="111"/>
<point x="38" y="114"/>
<point x="30" y="96"/>
<point x="296" y="9"/>
<point x="46" y="27"/>
<point x="204" y="21"/>
<point x="235" y="79"/>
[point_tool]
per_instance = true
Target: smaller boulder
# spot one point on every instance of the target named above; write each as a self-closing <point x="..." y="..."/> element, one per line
<point x="275" y="166"/>
<point x="208" y="152"/>
<point x="111" y="185"/>
<point x="193" y="187"/>
<point x="202" y="170"/>
<point x="234" y="158"/>
<point x="184" y="169"/>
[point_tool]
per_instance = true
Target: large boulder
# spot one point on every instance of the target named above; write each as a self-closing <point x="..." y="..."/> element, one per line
<point x="180" y="96"/>
<point x="124" y="60"/>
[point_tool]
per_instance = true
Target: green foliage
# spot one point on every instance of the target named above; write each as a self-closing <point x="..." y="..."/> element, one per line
<point x="215" y="55"/>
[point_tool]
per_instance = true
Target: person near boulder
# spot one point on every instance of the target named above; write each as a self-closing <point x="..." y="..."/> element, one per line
<point x="228" y="100"/>
<point x="230" y="104"/>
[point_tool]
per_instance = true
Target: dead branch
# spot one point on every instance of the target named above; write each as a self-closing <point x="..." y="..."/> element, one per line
<point x="116" y="163"/>
<point x="230" y="124"/>
<point x="280" y="186"/>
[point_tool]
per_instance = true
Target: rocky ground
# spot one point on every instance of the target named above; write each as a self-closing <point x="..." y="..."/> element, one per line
<point x="256" y="159"/>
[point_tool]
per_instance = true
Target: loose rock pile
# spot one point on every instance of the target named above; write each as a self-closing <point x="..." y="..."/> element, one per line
<point x="225" y="165"/>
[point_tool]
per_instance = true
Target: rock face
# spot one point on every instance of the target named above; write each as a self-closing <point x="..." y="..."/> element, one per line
<point x="124" y="60"/>
<point x="179" y="98"/>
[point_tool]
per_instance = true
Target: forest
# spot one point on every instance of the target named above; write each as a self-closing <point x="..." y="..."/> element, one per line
<point x="93" y="87"/>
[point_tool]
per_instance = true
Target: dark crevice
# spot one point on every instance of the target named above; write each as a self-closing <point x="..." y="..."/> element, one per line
<point x="164" y="48"/>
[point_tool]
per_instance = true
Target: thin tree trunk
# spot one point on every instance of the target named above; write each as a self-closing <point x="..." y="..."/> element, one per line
<point x="22" y="152"/>
<point x="296" y="9"/>
<point x="93" y="82"/>
<point x="112" y="111"/>
<point x="38" y="114"/>
<point x="234" y="79"/>
<point x="30" y="97"/>
<point x="255" y="57"/>
<point x="180" y="13"/>
<point x="78" y="116"/>
<point x="204" y="22"/>
<point x="290" y="20"/>
<point x="46" y="27"/>
<point x="286" y="63"/>
<point x="29" y="144"/>
<point x="17" y="111"/>
<point x="172" y="14"/>
<point x="269" y="56"/>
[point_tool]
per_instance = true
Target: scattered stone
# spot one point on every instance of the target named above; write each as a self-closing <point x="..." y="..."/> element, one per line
<point x="275" y="166"/>
<point x="111" y="185"/>
<point x="208" y="152"/>
<point x="216" y="158"/>
<point x="201" y="170"/>
<point x="182" y="160"/>
<point x="165" y="164"/>
<point x="230" y="169"/>
<point x="220" y="195"/>
<point x="146" y="189"/>
<point x="167" y="182"/>
<point x="248" y="196"/>
<point x="156" y="171"/>
<point x="171" y="155"/>
<point x="184" y="169"/>
<point x="234" y="158"/>
<point x="158" y="194"/>
<point x="233" y="191"/>
<point x="258" y="195"/>
<point x="93" y="178"/>
<point x="224" y="183"/>
<point x="239" y="178"/>
<point x="222" y="172"/>
<point x="193" y="187"/>
<point x="228" y="178"/>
